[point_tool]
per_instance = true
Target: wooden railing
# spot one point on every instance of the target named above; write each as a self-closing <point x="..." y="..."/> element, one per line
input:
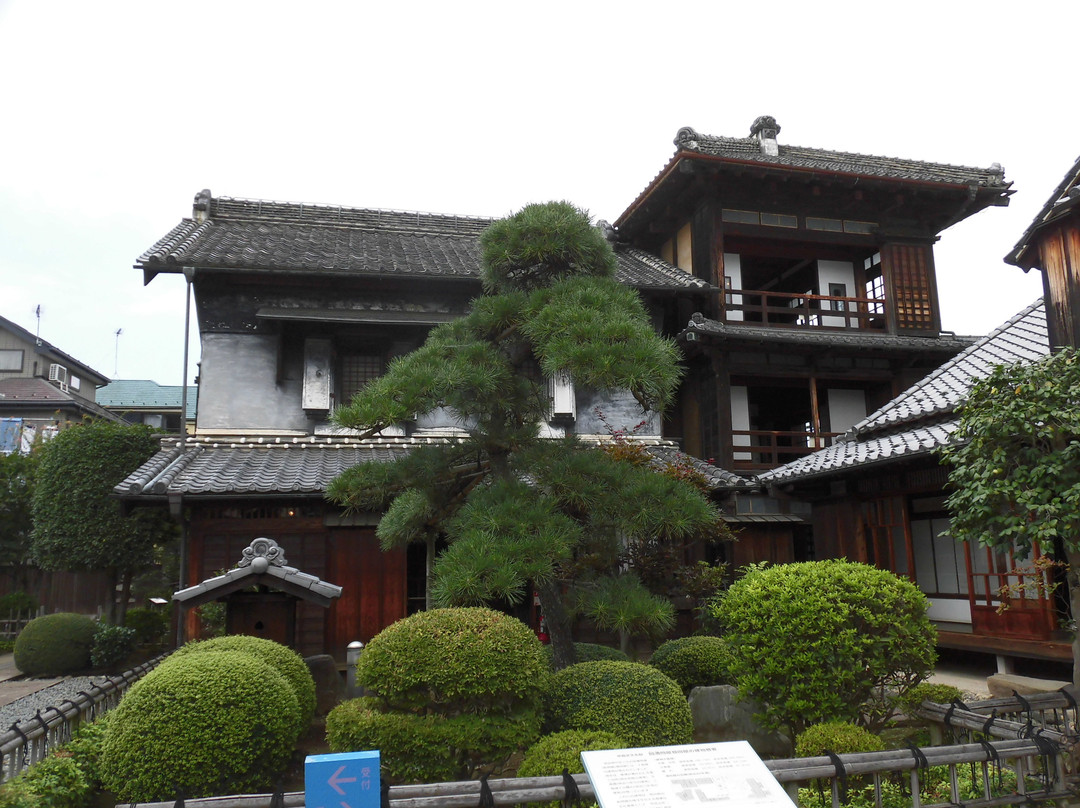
<point x="793" y="310"/>
<point x="771" y="448"/>
<point x="27" y="742"/>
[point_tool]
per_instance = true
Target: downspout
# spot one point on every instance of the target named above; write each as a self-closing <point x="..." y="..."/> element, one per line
<point x="176" y="504"/>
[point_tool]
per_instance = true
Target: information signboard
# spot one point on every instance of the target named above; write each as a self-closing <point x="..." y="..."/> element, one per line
<point x="344" y="780"/>
<point x="719" y="774"/>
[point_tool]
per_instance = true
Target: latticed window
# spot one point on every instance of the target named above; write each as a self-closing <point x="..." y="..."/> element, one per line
<point x="355" y="371"/>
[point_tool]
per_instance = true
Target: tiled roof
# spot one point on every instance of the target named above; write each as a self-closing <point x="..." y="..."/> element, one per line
<point x="714" y="329"/>
<point x="300" y="466"/>
<point x="749" y="149"/>
<point x="296" y="238"/>
<point x="37" y="393"/>
<point x="919" y="419"/>
<point x="1064" y="199"/>
<point x="139" y="394"/>
<point x="719" y="479"/>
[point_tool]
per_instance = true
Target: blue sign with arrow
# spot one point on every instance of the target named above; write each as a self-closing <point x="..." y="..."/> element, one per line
<point x="343" y="780"/>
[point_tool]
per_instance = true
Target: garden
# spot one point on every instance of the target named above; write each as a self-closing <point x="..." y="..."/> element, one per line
<point x="832" y="654"/>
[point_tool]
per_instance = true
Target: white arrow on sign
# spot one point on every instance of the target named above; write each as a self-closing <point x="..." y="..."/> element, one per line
<point x="335" y="779"/>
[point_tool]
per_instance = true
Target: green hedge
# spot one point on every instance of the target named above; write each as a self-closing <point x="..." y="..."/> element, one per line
<point x="55" y="644"/>
<point x="201" y="724"/>
<point x="454" y="660"/>
<point x="428" y="748"/>
<point x="694" y="661"/>
<point x="562" y="750"/>
<point x="279" y="657"/>
<point x="837" y="737"/>
<point x="634" y="701"/>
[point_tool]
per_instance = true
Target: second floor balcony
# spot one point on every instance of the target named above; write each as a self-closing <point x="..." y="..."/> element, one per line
<point x="802" y="310"/>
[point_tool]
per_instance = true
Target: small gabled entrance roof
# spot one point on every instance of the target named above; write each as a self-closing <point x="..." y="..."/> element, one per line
<point x="263" y="564"/>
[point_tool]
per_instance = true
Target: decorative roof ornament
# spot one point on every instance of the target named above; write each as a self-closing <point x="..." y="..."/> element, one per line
<point x="687" y="138"/>
<point x="765" y="129"/>
<point x="607" y="231"/>
<point x="265" y="549"/>
<point x="200" y="210"/>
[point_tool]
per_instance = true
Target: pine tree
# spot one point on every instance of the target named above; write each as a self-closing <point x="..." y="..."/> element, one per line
<point x="513" y="507"/>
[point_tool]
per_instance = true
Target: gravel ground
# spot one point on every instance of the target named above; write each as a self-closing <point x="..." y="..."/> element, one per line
<point x="27" y="707"/>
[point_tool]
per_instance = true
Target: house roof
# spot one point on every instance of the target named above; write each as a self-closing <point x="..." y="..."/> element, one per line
<point x="1064" y="200"/>
<point x="691" y="145"/>
<point x="253" y="235"/>
<point x="24" y="394"/>
<point x="920" y="419"/>
<point x="714" y="330"/>
<point x="50" y="350"/>
<point x="143" y="394"/>
<point x="299" y="466"/>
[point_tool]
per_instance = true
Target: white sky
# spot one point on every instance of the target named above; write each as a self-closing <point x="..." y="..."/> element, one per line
<point x="114" y="114"/>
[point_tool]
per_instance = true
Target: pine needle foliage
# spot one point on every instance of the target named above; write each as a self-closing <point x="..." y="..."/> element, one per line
<point x="515" y="508"/>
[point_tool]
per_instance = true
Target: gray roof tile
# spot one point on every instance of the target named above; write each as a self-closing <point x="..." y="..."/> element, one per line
<point x="920" y="419"/>
<point x="283" y="237"/>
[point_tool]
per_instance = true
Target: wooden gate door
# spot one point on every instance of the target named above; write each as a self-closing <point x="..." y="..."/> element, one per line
<point x="271" y="616"/>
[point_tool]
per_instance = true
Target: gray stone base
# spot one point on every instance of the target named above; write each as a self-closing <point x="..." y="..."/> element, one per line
<point x="1002" y="685"/>
<point x="720" y="716"/>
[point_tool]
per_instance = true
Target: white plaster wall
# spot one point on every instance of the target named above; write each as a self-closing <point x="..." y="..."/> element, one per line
<point x="684" y="247"/>
<point x="836" y="272"/>
<point x="733" y="270"/>
<point x="238" y="386"/>
<point x="846" y="408"/>
<point x="949" y="610"/>
<point x="740" y="419"/>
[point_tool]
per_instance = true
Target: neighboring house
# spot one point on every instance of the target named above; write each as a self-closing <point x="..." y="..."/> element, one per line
<point x="41" y="388"/>
<point x="806" y="278"/>
<point x="829" y="303"/>
<point x="140" y="401"/>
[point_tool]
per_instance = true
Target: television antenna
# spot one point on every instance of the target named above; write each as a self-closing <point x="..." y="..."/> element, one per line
<point x="116" y="353"/>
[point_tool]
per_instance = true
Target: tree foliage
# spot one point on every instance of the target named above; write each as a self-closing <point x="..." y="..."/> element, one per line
<point x="1014" y="464"/>
<point x="514" y="507"/>
<point x="17" y="473"/>
<point x="825" y="641"/>
<point x="78" y="524"/>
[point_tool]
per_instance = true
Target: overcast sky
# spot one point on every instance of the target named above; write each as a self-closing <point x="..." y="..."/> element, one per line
<point x="116" y="113"/>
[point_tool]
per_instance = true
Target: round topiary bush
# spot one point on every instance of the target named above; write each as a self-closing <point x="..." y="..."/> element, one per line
<point x="279" y="657"/>
<point x="837" y="737"/>
<point x="55" y="644"/>
<point x="636" y="702"/>
<point x="199" y="725"/>
<point x="428" y="748"/>
<point x="562" y="750"/>
<point x="820" y="641"/>
<point x="694" y="662"/>
<point x="453" y="661"/>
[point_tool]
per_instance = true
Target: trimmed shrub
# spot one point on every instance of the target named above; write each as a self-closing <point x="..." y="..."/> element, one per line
<point x="427" y="748"/>
<point x="112" y="645"/>
<point x="69" y="778"/>
<point x="591" y="652"/>
<point x="823" y="641"/>
<point x="452" y="690"/>
<point x="838" y="737"/>
<point x="929" y="691"/>
<point x="636" y="702"/>
<point x="201" y="724"/>
<point x="694" y="662"/>
<point x="55" y="644"/>
<point x="282" y="659"/>
<point x="454" y="660"/>
<point x="562" y="750"/>
<point x="150" y="624"/>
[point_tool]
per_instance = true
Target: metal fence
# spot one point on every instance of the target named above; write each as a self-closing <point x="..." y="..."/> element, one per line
<point x="27" y="742"/>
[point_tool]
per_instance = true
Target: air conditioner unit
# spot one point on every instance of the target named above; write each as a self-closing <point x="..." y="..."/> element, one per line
<point x="59" y="374"/>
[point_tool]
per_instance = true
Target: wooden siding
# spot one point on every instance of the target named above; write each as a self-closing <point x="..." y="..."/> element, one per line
<point x="1059" y="254"/>
<point x="911" y="288"/>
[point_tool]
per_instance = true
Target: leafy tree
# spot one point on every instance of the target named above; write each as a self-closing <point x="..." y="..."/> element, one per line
<point x="825" y="641"/>
<point x="514" y="507"/>
<point x="16" y="520"/>
<point x="78" y="524"/>
<point x="1015" y="465"/>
